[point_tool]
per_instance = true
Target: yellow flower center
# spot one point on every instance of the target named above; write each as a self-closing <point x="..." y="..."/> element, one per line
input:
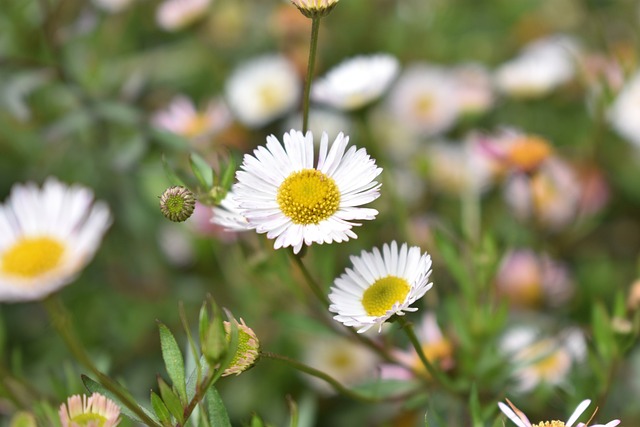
<point x="528" y="152"/>
<point x="549" y="424"/>
<point x="89" y="419"/>
<point x="383" y="294"/>
<point x="423" y="104"/>
<point x="270" y="97"/>
<point x="308" y="197"/>
<point x="198" y="125"/>
<point x="32" y="257"/>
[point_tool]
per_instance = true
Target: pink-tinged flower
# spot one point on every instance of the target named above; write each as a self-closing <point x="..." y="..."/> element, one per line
<point x="542" y="360"/>
<point x="435" y="346"/>
<point x="183" y="118"/>
<point x="521" y="420"/>
<point x="96" y="411"/>
<point x="527" y="279"/>
<point x="474" y="88"/>
<point x="425" y="99"/>
<point x="174" y="15"/>
<point x="550" y="196"/>
<point x="47" y="236"/>
<point x="595" y="192"/>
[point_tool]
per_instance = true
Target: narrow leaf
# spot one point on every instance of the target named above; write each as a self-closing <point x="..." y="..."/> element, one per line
<point x="173" y="361"/>
<point x="171" y="401"/>
<point x="160" y="409"/>
<point x="218" y="415"/>
<point x="201" y="170"/>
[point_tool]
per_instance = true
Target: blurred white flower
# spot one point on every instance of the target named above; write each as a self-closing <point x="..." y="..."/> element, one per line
<point x="262" y="90"/>
<point x="424" y="99"/>
<point x="356" y="82"/>
<point x="474" y="88"/>
<point x="380" y="285"/>
<point x="624" y="114"/>
<point x="542" y="360"/>
<point x="345" y="360"/>
<point x="182" y="118"/>
<point x="47" y="236"/>
<point x="281" y="192"/>
<point x="112" y="6"/>
<point x="174" y="15"/>
<point x="541" y="67"/>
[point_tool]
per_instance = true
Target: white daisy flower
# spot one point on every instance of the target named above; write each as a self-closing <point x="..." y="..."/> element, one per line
<point x="97" y="410"/>
<point x="380" y="285"/>
<point x="281" y="193"/>
<point x="262" y="90"/>
<point x="229" y="215"/>
<point x="112" y="6"/>
<point x="174" y="15"/>
<point x="625" y="111"/>
<point x="183" y="118"/>
<point x="540" y="68"/>
<point x="46" y="237"/>
<point x="521" y="420"/>
<point x="425" y="99"/>
<point x="356" y="82"/>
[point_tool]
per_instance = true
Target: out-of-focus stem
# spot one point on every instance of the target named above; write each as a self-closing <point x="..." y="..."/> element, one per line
<point x="313" y="45"/>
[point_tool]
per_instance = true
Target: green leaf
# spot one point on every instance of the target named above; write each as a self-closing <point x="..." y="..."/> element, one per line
<point x="293" y="411"/>
<point x="602" y="334"/>
<point x="173" y="361"/>
<point x="476" y="409"/>
<point x="218" y="415"/>
<point x="171" y="401"/>
<point x="454" y="263"/>
<point x="202" y="170"/>
<point x="160" y="409"/>
<point x="228" y="174"/>
<point x="256" y="421"/>
<point x="171" y="175"/>
<point x="23" y="419"/>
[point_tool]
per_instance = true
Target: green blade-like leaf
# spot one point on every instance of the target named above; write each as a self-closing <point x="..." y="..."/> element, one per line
<point x="171" y="401"/>
<point x="160" y="409"/>
<point x="218" y="415"/>
<point x="454" y="263"/>
<point x="228" y="174"/>
<point x="173" y="361"/>
<point x="201" y="170"/>
<point x="476" y="409"/>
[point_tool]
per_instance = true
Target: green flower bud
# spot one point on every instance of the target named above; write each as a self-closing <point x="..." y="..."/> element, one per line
<point x="177" y="203"/>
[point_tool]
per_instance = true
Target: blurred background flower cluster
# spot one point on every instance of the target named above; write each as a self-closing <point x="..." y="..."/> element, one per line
<point x="509" y="135"/>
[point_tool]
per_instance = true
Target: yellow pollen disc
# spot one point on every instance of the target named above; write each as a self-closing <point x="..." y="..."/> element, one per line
<point x="308" y="197"/>
<point x="270" y="97"/>
<point x="380" y="297"/>
<point x="32" y="257"/>
<point x="197" y="126"/>
<point x="89" y="419"/>
<point x="549" y="424"/>
<point x="423" y="104"/>
<point x="528" y="152"/>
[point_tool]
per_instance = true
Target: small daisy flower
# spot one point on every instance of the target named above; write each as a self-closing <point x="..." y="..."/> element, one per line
<point x="425" y="99"/>
<point x="521" y="420"/>
<point x="112" y="6"/>
<point x="542" y="66"/>
<point x="174" y="15"/>
<point x="182" y="118"/>
<point x="625" y="111"/>
<point x="96" y="411"/>
<point x="379" y="285"/>
<point x="281" y="193"/>
<point x="263" y="90"/>
<point x="315" y="8"/>
<point x="356" y="82"/>
<point x="46" y="237"/>
<point x="247" y="352"/>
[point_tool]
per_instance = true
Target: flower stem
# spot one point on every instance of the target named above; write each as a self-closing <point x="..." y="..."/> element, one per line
<point x="435" y="373"/>
<point x="313" y="45"/>
<point x="315" y="287"/>
<point x="62" y="322"/>
<point x="319" y="374"/>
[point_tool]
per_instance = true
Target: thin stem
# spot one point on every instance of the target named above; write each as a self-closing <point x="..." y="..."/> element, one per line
<point x="315" y="287"/>
<point x="313" y="45"/>
<point x="61" y="320"/>
<point x="319" y="374"/>
<point x="435" y="373"/>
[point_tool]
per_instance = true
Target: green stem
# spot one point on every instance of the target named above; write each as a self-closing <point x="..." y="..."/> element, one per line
<point x="319" y="374"/>
<point x="313" y="45"/>
<point x="315" y="287"/>
<point x="62" y="322"/>
<point x="435" y="373"/>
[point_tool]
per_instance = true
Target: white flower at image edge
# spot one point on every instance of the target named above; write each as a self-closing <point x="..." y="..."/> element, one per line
<point x="46" y="237"/>
<point x="281" y="193"/>
<point x="624" y="114"/>
<point x="379" y="285"/>
<point x="521" y="420"/>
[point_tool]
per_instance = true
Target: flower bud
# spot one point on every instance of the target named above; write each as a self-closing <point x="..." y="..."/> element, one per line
<point x="177" y="203"/>
<point x="315" y="8"/>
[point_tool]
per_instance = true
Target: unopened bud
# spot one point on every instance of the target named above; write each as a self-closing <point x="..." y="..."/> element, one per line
<point x="315" y="8"/>
<point x="177" y="203"/>
<point x="247" y="352"/>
